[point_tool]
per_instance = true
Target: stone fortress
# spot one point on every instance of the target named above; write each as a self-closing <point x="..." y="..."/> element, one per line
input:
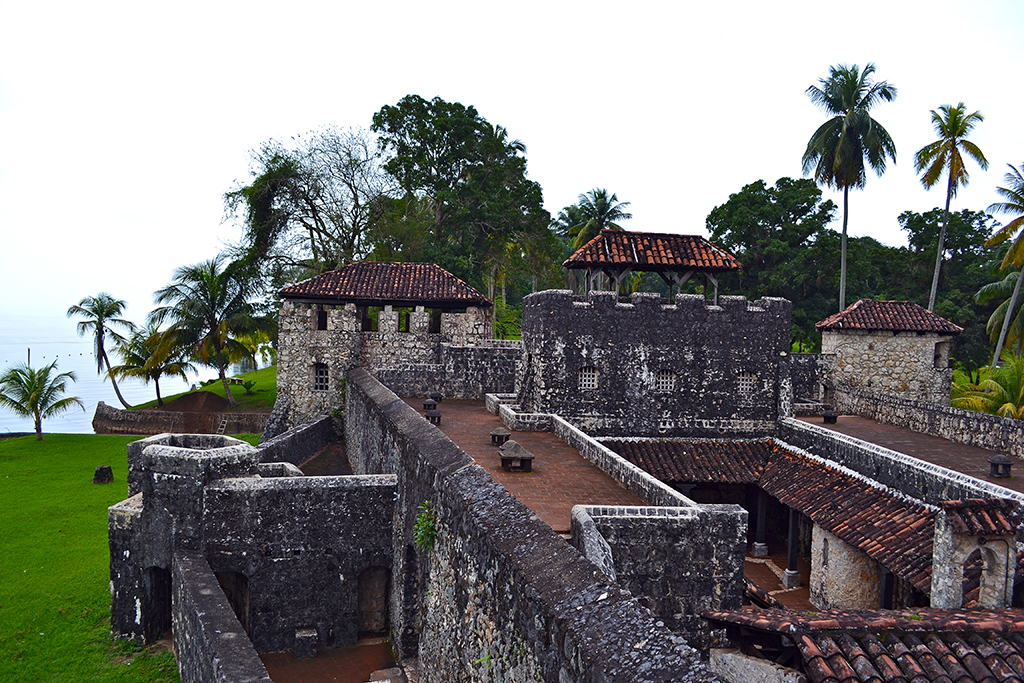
<point x="687" y="403"/>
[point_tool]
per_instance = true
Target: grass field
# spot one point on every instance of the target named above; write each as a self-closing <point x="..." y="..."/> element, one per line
<point x="54" y="563"/>
<point x="261" y="400"/>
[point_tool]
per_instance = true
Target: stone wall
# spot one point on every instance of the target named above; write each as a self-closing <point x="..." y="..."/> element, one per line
<point x="110" y="420"/>
<point x="209" y="642"/>
<point x="681" y="561"/>
<point x="842" y="577"/>
<point x="910" y="476"/>
<point x="500" y="596"/>
<point x="810" y="373"/>
<point x="1000" y="434"/>
<point x="299" y="444"/>
<point x="460" y="372"/>
<point x="654" y="366"/>
<point x="909" y="364"/>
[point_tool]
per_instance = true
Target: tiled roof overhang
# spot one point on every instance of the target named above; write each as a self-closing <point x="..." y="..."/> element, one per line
<point x="652" y="252"/>
<point x="895" y="316"/>
<point x="696" y="462"/>
<point x="370" y="283"/>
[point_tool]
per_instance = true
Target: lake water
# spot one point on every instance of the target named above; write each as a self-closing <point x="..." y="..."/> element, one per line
<point x="51" y="339"/>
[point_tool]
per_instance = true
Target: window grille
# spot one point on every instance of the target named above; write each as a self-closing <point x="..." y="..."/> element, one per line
<point x="665" y="380"/>
<point x="588" y="378"/>
<point x="746" y="383"/>
<point x="320" y="380"/>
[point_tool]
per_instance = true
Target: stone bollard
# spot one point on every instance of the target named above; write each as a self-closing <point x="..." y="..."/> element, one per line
<point x="104" y="475"/>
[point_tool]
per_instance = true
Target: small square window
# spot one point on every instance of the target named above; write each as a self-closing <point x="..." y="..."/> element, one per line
<point x="588" y="378"/>
<point x="665" y="380"/>
<point x="746" y="383"/>
<point x="320" y="377"/>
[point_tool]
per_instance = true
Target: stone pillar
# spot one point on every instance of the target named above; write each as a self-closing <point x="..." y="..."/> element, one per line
<point x="387" y="320"/>
<point x="419" y="321"/>
<point x="760" y="547"/>
<point x="791" y="577"/>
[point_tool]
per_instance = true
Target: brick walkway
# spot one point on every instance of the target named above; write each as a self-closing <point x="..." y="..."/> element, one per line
<point x="968" y="460"/>
<point x="560" y="479"/>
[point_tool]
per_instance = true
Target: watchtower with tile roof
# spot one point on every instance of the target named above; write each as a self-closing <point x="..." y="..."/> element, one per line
<point x="891" y="347"/>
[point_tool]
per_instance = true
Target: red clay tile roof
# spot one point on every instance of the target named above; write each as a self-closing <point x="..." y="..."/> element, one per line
<point x="893" y="530"/>
<point x="733" y="462"/>
<point x="398" y="284"/>
<point x="924" y="646"/>
<point x="981" y="516"/>
<point x="650" y="251"/>
<point x="897" y="316"/>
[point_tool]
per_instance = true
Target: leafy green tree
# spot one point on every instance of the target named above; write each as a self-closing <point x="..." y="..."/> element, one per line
<point x="1014" y="205"/>
<point x="148" y="355"/>
<point x="595" y="211"/>
<point x="207" y="306"/>
<point x="953" y="125"/>
<point x="474" y="176"/>
<point x="101" y="314"/>
<point x="36" y="393"/>
<point x="780" y="235"/>
<point x="1002" y="393"/>
<point x="837" y="151"/>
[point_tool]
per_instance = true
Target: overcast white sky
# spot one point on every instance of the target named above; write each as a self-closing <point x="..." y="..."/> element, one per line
<point x="122" y="124"/>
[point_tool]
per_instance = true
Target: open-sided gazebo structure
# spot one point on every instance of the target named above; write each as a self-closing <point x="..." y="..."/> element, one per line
<point x="676" y="258"/>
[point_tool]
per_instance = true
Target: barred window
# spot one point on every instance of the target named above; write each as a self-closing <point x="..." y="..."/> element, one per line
<point x="588" y="378"/>
<point x="320" y="377"/>
<point x="746" y="382"/>
<point x="665" y="380"/>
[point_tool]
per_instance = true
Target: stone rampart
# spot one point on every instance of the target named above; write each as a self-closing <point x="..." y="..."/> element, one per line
<point x="910" y="476"/>
<point x="1001" y="434"/>
<point x="461" y="372"/>
<point x="682" y="561"/>
<point x="649" y="366"/>
<point x="209" y="642"/>
<point x="299" y="444"/>
<point x="810" y="373"/>
<point x="500" y="596"/>
<point x="110" y="420"/>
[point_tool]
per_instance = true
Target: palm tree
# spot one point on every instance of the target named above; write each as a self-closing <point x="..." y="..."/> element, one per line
<point x="100" y="312"/>
<point x="146" y="356"/>
<point x="207" y="307"/>
<point x="598" y="211"/>
<point x="36" y="393"/>
<point x="1014" y="204"/>
<point x="1002" y="290"/>
<point x="1001" y="394"/>
<point x="837" y="150"/>
<point x="953" y="125"/>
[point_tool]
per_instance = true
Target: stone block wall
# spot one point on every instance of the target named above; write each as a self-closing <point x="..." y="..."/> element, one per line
<point x="209" y="642"/>
<point x="681" y="561"/>
<point x="910" y="476"/>
<point x="842" y="577"/>
<point x="111" y="420"/>
<point x="654" y="366"/>
<point x="500" y="596"/>
<point x="810" y="374"/>
<point x="1000" y="434"/>
<point x="461" y="372"/>
<point x="909" y="364"/>
<point x="299" y="444"/>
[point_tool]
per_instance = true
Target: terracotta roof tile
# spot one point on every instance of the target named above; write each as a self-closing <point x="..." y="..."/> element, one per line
<point x="375" y="283"/>
<point x="735" y="462"/>
<point x="649" y="251"/>
<point x="978" y="516"/>
<point x="897" y="316"/>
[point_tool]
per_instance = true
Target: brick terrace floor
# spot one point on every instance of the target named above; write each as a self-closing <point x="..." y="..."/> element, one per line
<point x="968" y="460"/>
<point x="561" y="477"/>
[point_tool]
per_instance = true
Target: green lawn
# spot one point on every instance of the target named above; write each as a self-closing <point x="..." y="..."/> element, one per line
<point x="261" y="400"/>
<point x="54" y="564"/>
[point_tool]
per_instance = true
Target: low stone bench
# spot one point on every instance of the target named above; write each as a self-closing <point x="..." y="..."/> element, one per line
<point x="515" y="458"/>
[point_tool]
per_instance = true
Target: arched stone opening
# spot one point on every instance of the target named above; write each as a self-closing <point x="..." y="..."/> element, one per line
<point x="156" y="603"/>
<point x="236" y="589"/>
<point x="372" y="600"/>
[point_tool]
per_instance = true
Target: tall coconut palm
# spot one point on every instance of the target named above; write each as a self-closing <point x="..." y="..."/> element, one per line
<point x="953" y="125"/>
<point x="837" y="151"/>
<point x="207" y="305"/>
<point x="101" y="312"/>
<point x="598" y="210"/>
<point x="1013" y="193"/>
<point x="146" y="356"/>
<point x="38" y="394"/>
